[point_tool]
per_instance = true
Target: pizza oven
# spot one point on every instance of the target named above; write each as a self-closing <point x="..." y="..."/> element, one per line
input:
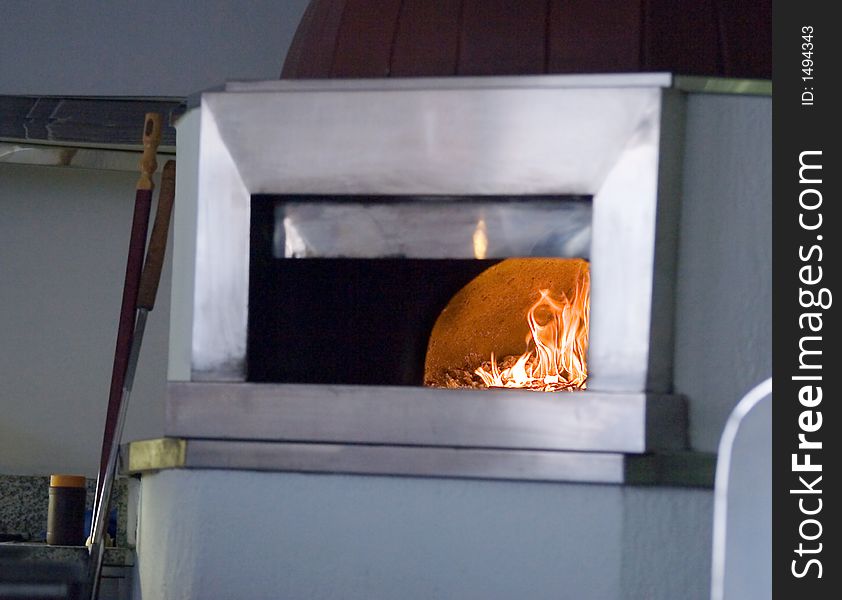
<point x="470" y="277"/>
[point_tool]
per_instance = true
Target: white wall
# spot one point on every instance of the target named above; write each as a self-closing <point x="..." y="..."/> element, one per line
<point x="63" y="244"/>
<point x="144" y="48"/>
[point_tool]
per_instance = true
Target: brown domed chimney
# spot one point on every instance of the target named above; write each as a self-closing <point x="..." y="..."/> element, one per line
<point x="435" y="38"/>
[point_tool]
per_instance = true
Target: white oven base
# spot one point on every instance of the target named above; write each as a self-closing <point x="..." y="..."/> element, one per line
<point x="236" y="534"/>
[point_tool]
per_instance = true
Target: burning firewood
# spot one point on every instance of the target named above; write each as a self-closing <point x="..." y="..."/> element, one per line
<point x="555" y="358"/>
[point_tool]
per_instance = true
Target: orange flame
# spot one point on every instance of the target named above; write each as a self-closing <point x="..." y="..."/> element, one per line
<point x="557" y="346"/>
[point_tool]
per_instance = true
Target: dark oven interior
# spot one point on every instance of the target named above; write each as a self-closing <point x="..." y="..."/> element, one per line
<point x="366" y="319"/>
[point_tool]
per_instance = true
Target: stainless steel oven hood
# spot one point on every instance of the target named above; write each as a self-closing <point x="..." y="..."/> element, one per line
<point x="616" y="139"/>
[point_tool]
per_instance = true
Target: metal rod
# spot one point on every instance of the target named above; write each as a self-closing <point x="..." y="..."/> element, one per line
<point x="100" y="518"/>
<point x="131" y="286"/>
<point x="147" y="291"/>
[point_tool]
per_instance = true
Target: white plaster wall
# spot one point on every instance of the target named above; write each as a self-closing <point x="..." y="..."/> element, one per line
<point x="64" y="237"/>
<point x="724" y="291"/>
<point x="666" y="543"/>
<point x="148" y="48"/>
<point x="275" y="535"/>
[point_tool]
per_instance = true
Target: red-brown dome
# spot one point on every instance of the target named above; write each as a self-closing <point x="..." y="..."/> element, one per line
<point x="406" y="38"/>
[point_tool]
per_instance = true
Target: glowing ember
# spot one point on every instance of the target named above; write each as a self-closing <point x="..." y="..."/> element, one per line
<point x="557" y="346"/>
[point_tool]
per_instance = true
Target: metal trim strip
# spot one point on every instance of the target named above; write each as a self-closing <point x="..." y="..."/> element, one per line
<point x="416" y="416"/>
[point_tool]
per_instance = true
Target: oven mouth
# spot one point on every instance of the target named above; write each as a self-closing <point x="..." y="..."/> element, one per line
<point x="350" y="290"/>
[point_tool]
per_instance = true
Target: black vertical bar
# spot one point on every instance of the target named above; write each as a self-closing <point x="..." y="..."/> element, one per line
<point x="806" y="421"/>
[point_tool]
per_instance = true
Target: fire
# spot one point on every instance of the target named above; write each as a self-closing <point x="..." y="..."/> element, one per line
<point x="557" y="346"/>
<point x="480" y="239"/>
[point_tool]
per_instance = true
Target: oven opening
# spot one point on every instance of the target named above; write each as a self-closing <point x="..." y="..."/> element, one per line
<point x="419" y="291"/>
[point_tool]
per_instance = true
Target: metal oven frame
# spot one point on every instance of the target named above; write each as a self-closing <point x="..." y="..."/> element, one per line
<point x="616" y="138"/>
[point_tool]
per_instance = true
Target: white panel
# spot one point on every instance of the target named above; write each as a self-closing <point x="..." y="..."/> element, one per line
<point x="222" y="534"/>
<point x="742" y="526"/>
<point x="723" y="340"/>
<point x="666" y="544"/>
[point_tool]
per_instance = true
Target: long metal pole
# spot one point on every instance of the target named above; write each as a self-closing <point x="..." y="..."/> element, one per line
<point x="131" y="286"/>
<point x="148" y="290"/>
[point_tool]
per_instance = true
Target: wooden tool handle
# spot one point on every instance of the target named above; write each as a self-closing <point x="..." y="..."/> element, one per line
<point x="151" y="139"/>
<point x="158" y="241"/>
